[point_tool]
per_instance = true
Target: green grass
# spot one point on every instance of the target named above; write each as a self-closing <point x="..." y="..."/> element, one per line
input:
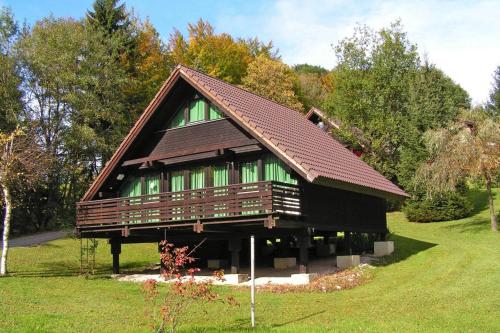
<point x="443" y="277"/>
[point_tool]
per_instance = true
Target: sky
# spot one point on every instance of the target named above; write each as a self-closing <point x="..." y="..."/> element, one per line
<point x="461" y="37"/>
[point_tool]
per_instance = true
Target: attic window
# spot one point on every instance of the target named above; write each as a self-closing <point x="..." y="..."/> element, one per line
<point x="195" y="111"/>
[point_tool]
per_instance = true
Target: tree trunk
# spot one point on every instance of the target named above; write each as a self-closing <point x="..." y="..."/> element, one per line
<point x="493" y="217"/>
<point x="6" y="228"/>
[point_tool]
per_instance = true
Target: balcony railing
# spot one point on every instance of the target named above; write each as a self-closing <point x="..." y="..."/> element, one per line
<point x="225" y="202"/>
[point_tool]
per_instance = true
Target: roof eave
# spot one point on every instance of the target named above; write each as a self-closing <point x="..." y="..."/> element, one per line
<point x="400" y="195"/>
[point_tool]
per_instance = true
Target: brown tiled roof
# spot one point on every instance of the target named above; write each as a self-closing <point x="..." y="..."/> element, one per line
<point x="306" y="148"/>
<point x="309" y="148"/>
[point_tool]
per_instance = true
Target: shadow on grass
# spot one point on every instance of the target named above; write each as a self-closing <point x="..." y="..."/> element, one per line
<point x="404" y="248"/>
<point x="67" y="269"/>
<point x="243" y="325"/>
<point x="475" y="224"/>
<point x="479" y="198"/>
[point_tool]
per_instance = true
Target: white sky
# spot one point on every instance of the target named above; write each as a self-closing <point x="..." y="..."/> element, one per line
<point x="460" y="37"/>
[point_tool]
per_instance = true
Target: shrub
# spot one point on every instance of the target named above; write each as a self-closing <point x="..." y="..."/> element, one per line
<point x="442" y="207"/>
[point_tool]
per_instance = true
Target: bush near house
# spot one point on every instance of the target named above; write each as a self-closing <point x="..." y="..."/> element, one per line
<point x="442" y="207"/>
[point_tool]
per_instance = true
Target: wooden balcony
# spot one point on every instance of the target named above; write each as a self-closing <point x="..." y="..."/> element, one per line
<point x="224" y="204"/>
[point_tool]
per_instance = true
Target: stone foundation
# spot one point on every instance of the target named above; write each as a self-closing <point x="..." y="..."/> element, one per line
<point x="381" y="249"/>
<point x="348" y="261"/>
<point x="235" y="278"/>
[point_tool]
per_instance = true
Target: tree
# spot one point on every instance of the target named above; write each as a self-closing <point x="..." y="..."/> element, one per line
<point x="74" y="86"/>
<point x="381" y="87"/>
<point x="314" y="84"/>
<point x="274" y="80"/>
<point x="22" y="164"/>
<point x="493" y="105"/>
<point x="218" y="55"/>
<point x="108" y="16"/>
<point x="10" y="95"/>
<point x="470" y="147"/>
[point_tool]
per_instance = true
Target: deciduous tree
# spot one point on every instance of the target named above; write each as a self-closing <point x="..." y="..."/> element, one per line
<point x="274" y="80"/>
<point x="22" y="164"/>
<point x="470" y="147"/>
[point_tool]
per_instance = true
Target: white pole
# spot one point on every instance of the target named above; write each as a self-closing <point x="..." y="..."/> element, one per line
<point x="252" y="279"/>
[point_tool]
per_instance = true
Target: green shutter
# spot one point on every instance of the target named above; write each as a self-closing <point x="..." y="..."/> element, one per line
<point x="153" y="187"/>
<point x="220" y="177"/>
<point x="178" y="119"/>
<point x="177" y="181"/>
<point x="276" y="170"/>
<point x="197" y="179"/>
<point x="132" y="188"/>
<point x="214" y="113"/>
<point x="153" y="184"/>
<point x="249" y="172"/>
<point x="197" y="110"/>
<point x="176" y="185"/>
<point x="249" y="175"/>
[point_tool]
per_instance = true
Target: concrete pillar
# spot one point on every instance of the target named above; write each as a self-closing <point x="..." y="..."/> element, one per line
<point x="116" y="249"/>
<point x="235" y="248"/>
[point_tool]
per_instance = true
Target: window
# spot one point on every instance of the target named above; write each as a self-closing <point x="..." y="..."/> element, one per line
<point x="178" y="119"/>
<point x="214" y="113"/>
<point x="197" y="178"/>
<point x="196" y="112"/>
<point x="220" y="176"/>
<point x="152" y="184"/>
<point x="249" y="172"/>
<point x="131" y="188"/>
<point x="177" y="185"/>
<point x="276" y="170"/>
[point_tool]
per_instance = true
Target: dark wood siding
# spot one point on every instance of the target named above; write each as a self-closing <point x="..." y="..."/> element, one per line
<point x="194" y="136"/>
<point x="343" y="210"/>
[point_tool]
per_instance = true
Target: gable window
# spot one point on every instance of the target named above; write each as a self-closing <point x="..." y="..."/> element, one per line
<point x="178" y="119"/>
<point x="214" y="112"/>
<point x="195" y="111"/>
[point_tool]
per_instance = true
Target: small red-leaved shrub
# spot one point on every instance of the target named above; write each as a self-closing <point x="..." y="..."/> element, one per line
<point x="165" y="311"/>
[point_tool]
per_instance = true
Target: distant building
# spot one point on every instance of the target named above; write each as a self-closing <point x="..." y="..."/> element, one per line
<point x="333" y="126"/>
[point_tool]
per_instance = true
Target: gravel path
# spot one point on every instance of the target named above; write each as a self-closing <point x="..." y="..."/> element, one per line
<point x="36" y="239"/>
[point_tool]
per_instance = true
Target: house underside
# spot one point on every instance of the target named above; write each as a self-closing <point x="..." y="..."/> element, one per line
<point x="195" y="169"/>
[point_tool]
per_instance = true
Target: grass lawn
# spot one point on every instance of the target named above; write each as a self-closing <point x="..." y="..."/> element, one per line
<point x="443" y="277"/>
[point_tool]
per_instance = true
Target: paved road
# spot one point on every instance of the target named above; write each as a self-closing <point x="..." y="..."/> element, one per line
<point x="36" y="239"/>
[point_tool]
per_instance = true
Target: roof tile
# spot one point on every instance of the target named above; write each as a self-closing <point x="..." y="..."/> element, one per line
<point x="296" y="137"/>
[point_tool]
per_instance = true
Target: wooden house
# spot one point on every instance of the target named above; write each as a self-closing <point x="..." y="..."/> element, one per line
<point x="210" y="160"/>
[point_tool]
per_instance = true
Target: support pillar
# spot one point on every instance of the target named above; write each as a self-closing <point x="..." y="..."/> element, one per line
<point x="347" y="242"/>
<point x="116" y="249"/>
<point x="303" y="242"/>
<point x="235" y="248"/>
